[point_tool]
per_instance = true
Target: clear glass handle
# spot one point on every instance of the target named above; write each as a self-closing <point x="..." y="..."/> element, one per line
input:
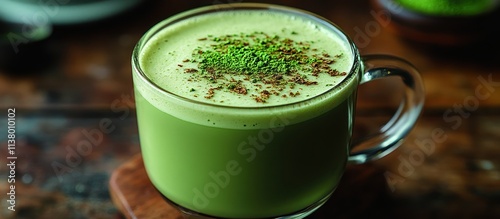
<point x="392" y="134"/>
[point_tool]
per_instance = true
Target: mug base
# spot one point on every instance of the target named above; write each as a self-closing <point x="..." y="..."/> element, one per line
<point x="190" y="214"/>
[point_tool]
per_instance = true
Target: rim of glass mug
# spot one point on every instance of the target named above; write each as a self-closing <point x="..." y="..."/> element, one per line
<point x="184" y="106"/>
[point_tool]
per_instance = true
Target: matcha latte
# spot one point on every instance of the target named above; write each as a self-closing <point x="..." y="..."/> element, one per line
<point x="212" y="58"/>
<point x="245" y="113"/>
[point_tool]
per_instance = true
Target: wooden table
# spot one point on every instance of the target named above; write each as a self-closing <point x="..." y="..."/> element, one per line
<point x="79" y="80"/>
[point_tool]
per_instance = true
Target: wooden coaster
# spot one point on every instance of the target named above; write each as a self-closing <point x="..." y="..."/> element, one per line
<point x="360" y="194"/>
<point x="135" y="196"/>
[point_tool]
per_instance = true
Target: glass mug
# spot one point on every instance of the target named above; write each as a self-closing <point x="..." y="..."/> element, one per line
<point x="280" y="161"/>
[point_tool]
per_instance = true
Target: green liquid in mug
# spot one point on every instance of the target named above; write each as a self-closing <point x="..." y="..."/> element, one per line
<point x="233" y="156"/>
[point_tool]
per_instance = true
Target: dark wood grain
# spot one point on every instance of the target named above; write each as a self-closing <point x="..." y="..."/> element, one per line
<point x="135" y="196"/>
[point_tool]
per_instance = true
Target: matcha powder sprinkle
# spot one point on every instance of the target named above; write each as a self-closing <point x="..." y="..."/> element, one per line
<point x="271" y="63"/>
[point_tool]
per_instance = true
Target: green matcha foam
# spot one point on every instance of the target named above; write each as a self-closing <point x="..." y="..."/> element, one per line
<point x="163" y="54"/>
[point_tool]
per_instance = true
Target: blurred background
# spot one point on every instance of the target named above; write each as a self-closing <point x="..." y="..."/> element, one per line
<point x="65" y="68"/>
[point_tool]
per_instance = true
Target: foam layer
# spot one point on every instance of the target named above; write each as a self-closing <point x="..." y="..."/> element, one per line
<point x="162" y="53"/>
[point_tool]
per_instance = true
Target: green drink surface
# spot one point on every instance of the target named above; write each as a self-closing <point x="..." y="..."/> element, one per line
<point x="173" y="63"/>
<point x="230" y="155"/>
<point x="168" y="49"/>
